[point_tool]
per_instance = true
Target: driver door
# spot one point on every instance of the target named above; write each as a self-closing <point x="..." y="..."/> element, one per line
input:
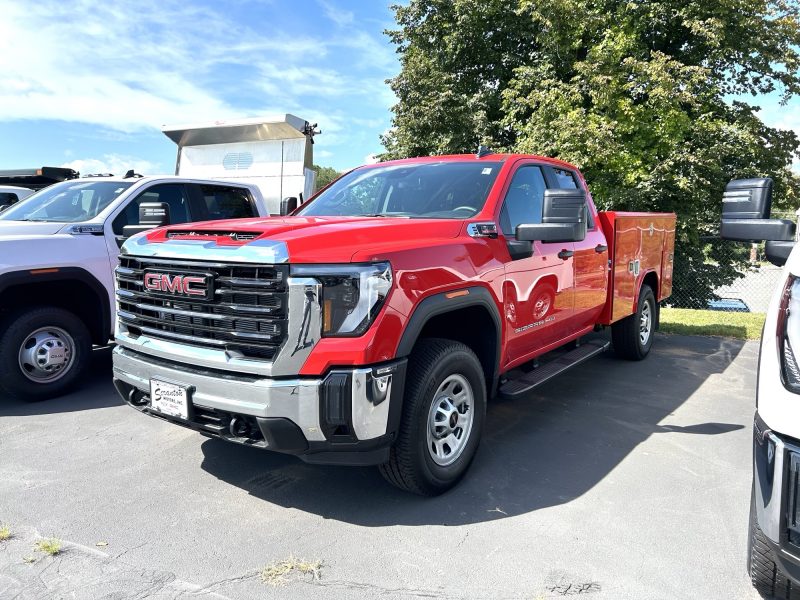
<point x="538" y="291"/>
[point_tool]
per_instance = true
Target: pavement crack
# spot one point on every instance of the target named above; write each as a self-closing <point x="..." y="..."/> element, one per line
<point x="464" y="539"/>
<point x="386" y="591"/>
<point x="124" y="552"/>
<point x="214" y="585"/>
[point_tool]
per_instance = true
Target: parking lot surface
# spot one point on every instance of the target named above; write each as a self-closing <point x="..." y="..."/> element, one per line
<point x="617" y="480"/>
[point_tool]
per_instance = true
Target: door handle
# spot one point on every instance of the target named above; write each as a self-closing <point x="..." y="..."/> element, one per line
<point x="600" y="248"/>
<point x="565" y="254"/>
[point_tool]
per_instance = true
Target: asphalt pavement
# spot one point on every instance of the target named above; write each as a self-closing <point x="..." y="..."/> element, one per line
<point x="618" y="480"/>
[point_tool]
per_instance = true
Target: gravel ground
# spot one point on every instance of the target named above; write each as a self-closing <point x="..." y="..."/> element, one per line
<point x="619" y="480"/>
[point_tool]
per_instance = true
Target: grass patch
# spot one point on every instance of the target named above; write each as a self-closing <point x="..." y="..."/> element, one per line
<point x="50" y="546"/>
<point x="5" y="533"/>
<point x="278" y="573"/>
<point x="688" y="321"/>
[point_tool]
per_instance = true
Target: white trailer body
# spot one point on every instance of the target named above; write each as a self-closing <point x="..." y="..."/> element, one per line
<point x="273" y="153"/>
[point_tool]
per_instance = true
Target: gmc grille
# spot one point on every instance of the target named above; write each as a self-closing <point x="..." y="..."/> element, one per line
<point x="246" y="314"/>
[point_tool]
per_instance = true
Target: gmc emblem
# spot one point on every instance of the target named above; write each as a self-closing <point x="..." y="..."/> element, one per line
<point x="187" y="285"/>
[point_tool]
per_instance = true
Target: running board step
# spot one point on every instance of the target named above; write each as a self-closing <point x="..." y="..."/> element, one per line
<point x="522" y="385"/>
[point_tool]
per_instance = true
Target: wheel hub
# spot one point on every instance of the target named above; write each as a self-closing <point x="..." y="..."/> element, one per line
<point x="450" y="420"/>
<point x="645" y="323"/>
<point x="46" y="354"/>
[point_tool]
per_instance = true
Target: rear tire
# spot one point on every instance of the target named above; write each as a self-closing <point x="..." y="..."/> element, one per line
<point x="767" y="577"/>
<point x="632" y="337"/>
<point x="43" y="353"/>
<point x="443" y="414"/>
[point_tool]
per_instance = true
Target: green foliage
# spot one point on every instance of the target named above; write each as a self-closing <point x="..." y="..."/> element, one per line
<point x="325" y="175"/>
<point x="646" y="98"/>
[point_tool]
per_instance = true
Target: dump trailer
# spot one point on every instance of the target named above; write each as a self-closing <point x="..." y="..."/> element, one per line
<point x="274" y="153"/>
<point x="36" y="178"/>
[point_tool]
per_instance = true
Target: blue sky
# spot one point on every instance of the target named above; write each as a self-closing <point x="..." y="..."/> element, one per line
<point x="89" y="84"/>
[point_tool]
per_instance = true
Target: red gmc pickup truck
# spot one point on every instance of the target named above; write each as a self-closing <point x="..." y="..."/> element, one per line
<point x="371" y="325"/>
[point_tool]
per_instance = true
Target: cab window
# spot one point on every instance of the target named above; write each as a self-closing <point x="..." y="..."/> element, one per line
<point x="224" y="202"/>
<point x="524" y="199"/>
<point x="565" y="179"/>
<point x="173" y="194"/>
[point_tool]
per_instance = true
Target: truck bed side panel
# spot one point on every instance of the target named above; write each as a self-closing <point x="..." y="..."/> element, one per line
<point x="639" y="243"/>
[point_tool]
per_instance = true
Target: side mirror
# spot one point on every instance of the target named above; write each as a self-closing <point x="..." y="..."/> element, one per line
<point x="151" y="215"/>
<point x="563" y="218"/>
<point x="778" y="251"/>
<point x="288" y="205"/>
<point x="746" y="206"/>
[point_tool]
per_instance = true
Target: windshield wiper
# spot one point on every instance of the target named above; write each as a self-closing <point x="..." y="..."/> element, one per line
<point x="385" y="216"/>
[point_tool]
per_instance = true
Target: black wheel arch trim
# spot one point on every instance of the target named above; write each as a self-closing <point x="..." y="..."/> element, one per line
<point x="439" y="304"/>
<point x="23" y="278"/>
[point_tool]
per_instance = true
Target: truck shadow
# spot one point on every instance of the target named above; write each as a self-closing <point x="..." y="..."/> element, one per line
<point x="94" y="391"/>
<point x="544" y="451"/>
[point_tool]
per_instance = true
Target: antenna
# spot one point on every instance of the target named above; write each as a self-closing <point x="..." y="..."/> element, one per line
<point x="483" y="151"/>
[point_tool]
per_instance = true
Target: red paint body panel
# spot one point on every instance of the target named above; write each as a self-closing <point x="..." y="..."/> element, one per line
<point x="543" y="300"/>
<point x="648" y="238"/>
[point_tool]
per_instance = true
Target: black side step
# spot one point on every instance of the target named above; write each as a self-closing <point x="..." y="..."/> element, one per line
<point x="522" y="385"/>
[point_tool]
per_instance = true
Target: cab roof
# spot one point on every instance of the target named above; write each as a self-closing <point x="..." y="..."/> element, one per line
<point x="490" y="157"/>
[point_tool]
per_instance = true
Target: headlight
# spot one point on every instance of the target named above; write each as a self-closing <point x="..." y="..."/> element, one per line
<point x="352" y="295"/>
<point x="789" y="334"/>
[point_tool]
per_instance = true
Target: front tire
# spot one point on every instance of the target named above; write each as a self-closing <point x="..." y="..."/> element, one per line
<point x="43" y="353"/>
<point x="443" y="414"/>
<point x="767" y="577"/>
<point x="632" y="337"/>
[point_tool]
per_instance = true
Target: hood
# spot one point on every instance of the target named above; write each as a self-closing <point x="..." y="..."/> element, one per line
<point x="29" y="228"/>
<point x="313" y="239"/>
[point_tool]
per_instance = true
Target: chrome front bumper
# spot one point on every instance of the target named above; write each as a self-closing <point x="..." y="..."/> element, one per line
<point x="349" y="410"/>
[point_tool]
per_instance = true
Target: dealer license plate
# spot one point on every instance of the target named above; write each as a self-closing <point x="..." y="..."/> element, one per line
<point x="169" y="398"/>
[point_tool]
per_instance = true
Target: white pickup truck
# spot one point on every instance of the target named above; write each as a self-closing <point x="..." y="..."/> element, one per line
<point x="58" y="251"/>
<point x="773" y="555"/>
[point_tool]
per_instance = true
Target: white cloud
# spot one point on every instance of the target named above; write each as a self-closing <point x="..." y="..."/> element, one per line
<point x="336" y="14"/>
<point x="132" y="66"/>
<point x="371" y="159"/>
<point x="115" y="164"/>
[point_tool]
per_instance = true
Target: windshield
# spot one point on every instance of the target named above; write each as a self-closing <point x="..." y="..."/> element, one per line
<point x="435" y="190"/>
<point x="66" y="202"/>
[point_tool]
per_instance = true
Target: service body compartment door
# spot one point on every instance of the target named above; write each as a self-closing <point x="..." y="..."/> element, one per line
<point x="626" y="268"/>
<point x="642" y="243"/>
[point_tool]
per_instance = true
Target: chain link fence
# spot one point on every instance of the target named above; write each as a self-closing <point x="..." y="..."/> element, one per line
<point x="754" y="278"/>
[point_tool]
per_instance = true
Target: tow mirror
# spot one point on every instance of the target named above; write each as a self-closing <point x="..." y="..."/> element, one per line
<point x="151" y="215"/>
<point x="288" y="205"/>
<point x="746" y="206"/>
<point x="563" y="218"/>
<point x="778" y="251"/>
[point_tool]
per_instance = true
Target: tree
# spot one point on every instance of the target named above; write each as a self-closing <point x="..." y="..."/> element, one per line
<point x="325" y="175"/>
<point x="646" y="98"/>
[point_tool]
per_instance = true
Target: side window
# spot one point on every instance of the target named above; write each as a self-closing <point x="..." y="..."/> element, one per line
<point x="524" y="199"/>
<point x="565" y="179"/>
<point x="7" y="198"/>
<point x="174" y="194"/>
<point x="227" y="202"/>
